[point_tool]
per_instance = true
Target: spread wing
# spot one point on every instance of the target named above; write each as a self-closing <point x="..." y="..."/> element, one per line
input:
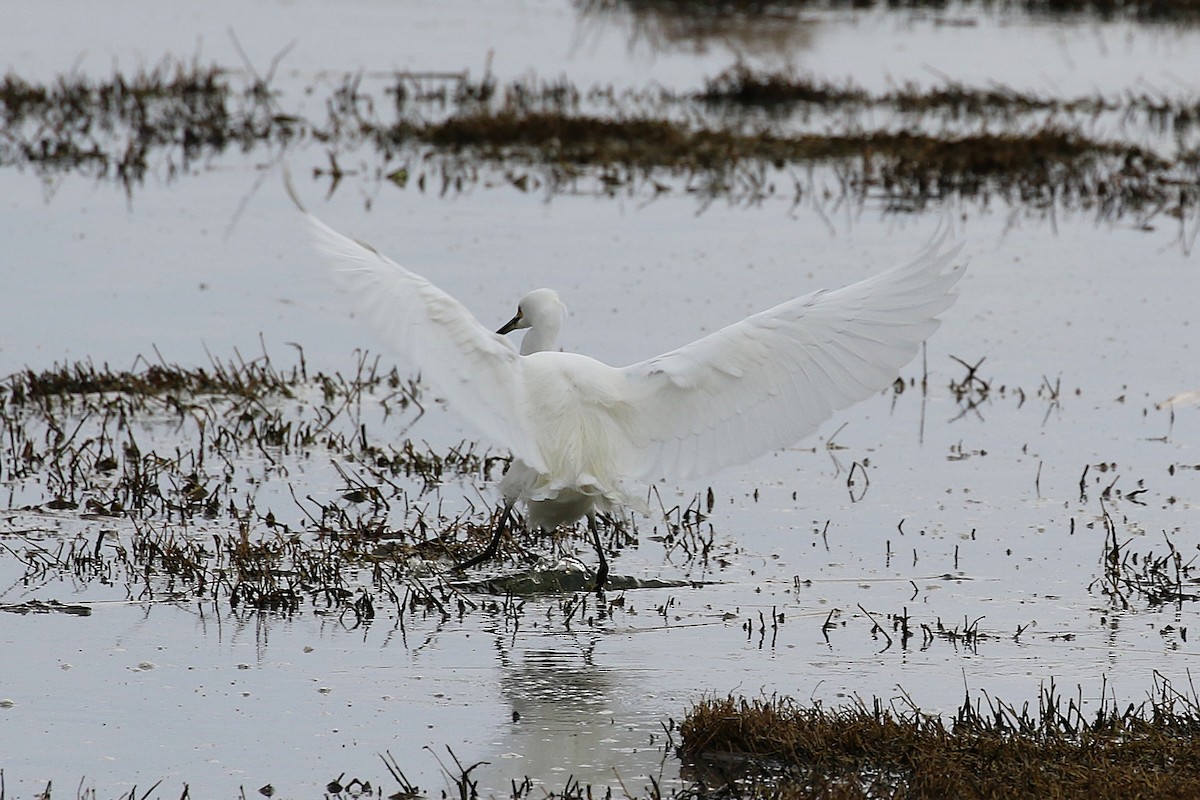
<point x="475" y="370"/>
<point x="763" y="383"/>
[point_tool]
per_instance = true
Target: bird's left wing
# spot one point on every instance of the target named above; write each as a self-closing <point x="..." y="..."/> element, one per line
<point x="763" y="383"/>
<point x="475" y="370"/>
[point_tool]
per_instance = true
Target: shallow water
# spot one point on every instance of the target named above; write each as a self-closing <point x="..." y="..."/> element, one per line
<point x="971" y="515"/>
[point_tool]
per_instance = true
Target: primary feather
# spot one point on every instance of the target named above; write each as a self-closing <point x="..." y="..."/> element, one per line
<point x="476" y="370"/>
<point x="765" y="382"/>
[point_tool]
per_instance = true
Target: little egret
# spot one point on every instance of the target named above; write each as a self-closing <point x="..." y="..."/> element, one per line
<point x="586" y="437"/>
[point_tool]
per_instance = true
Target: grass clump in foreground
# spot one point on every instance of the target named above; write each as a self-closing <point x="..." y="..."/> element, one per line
<point x="777" y="748"/>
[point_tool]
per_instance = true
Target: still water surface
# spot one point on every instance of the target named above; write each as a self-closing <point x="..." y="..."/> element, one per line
<point x="970" y="516"/>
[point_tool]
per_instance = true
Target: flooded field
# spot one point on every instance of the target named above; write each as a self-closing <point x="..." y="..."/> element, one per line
<point x="229" y="513"/>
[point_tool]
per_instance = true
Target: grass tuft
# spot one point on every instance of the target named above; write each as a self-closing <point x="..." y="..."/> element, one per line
<point x="779" y="748"/>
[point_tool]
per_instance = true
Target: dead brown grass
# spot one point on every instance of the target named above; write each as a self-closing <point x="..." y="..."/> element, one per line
<point x="1035" y="166"/>
<point x="776" y="747"/>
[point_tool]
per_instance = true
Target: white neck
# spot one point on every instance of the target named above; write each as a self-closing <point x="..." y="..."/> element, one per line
<point x="539" y="338"/>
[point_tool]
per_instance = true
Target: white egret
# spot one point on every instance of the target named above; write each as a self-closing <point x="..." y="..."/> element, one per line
<point x="587" y="437"/>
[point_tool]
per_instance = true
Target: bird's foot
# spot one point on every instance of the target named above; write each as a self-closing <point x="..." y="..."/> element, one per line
<point x="601" y="578"/>
<point x="474" y="561"/>
<point x="493" y="547"/>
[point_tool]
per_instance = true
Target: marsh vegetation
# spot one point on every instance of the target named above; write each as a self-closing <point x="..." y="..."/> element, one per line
<point x="745" y="136"/>
<point x="1014" y="514"/>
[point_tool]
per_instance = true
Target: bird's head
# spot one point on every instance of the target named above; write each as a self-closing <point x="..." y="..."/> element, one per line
<point x="542" y="311"/>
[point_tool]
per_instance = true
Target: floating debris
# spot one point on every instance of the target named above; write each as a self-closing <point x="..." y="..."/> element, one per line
<point x="560" y="581"/>
<point x="46" y="607"/>
<point x="1191" y="398"/>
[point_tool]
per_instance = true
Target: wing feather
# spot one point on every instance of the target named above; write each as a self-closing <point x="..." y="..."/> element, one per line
<point x="475" y="370"/>
<point x="763" y="383"/>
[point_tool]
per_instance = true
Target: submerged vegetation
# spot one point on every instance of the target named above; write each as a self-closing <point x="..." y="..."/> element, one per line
<point x="179" y="112"/>
<point x="163" y="483"/>
<point x="744" y="135"/>
<point x="268" y="489"/>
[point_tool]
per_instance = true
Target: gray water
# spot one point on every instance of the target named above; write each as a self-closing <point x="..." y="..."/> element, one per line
<point x="972" y="516"/>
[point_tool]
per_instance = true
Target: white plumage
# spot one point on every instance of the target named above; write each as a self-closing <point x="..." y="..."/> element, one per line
<point x="586" y="436"/>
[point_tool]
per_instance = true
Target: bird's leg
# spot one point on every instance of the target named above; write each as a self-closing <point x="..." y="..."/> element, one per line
<point x="493" y="547"/>
<point x="602" y="569"/>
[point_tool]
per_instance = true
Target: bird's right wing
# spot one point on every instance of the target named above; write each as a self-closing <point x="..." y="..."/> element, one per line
<point x="476" y="371"/>
<point x="763" y="383"/>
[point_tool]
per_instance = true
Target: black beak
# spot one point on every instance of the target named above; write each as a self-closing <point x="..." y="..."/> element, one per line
<point x="510" y="325"/>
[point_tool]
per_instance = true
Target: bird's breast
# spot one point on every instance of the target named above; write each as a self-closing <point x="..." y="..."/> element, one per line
<point x="577" y="410"/>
